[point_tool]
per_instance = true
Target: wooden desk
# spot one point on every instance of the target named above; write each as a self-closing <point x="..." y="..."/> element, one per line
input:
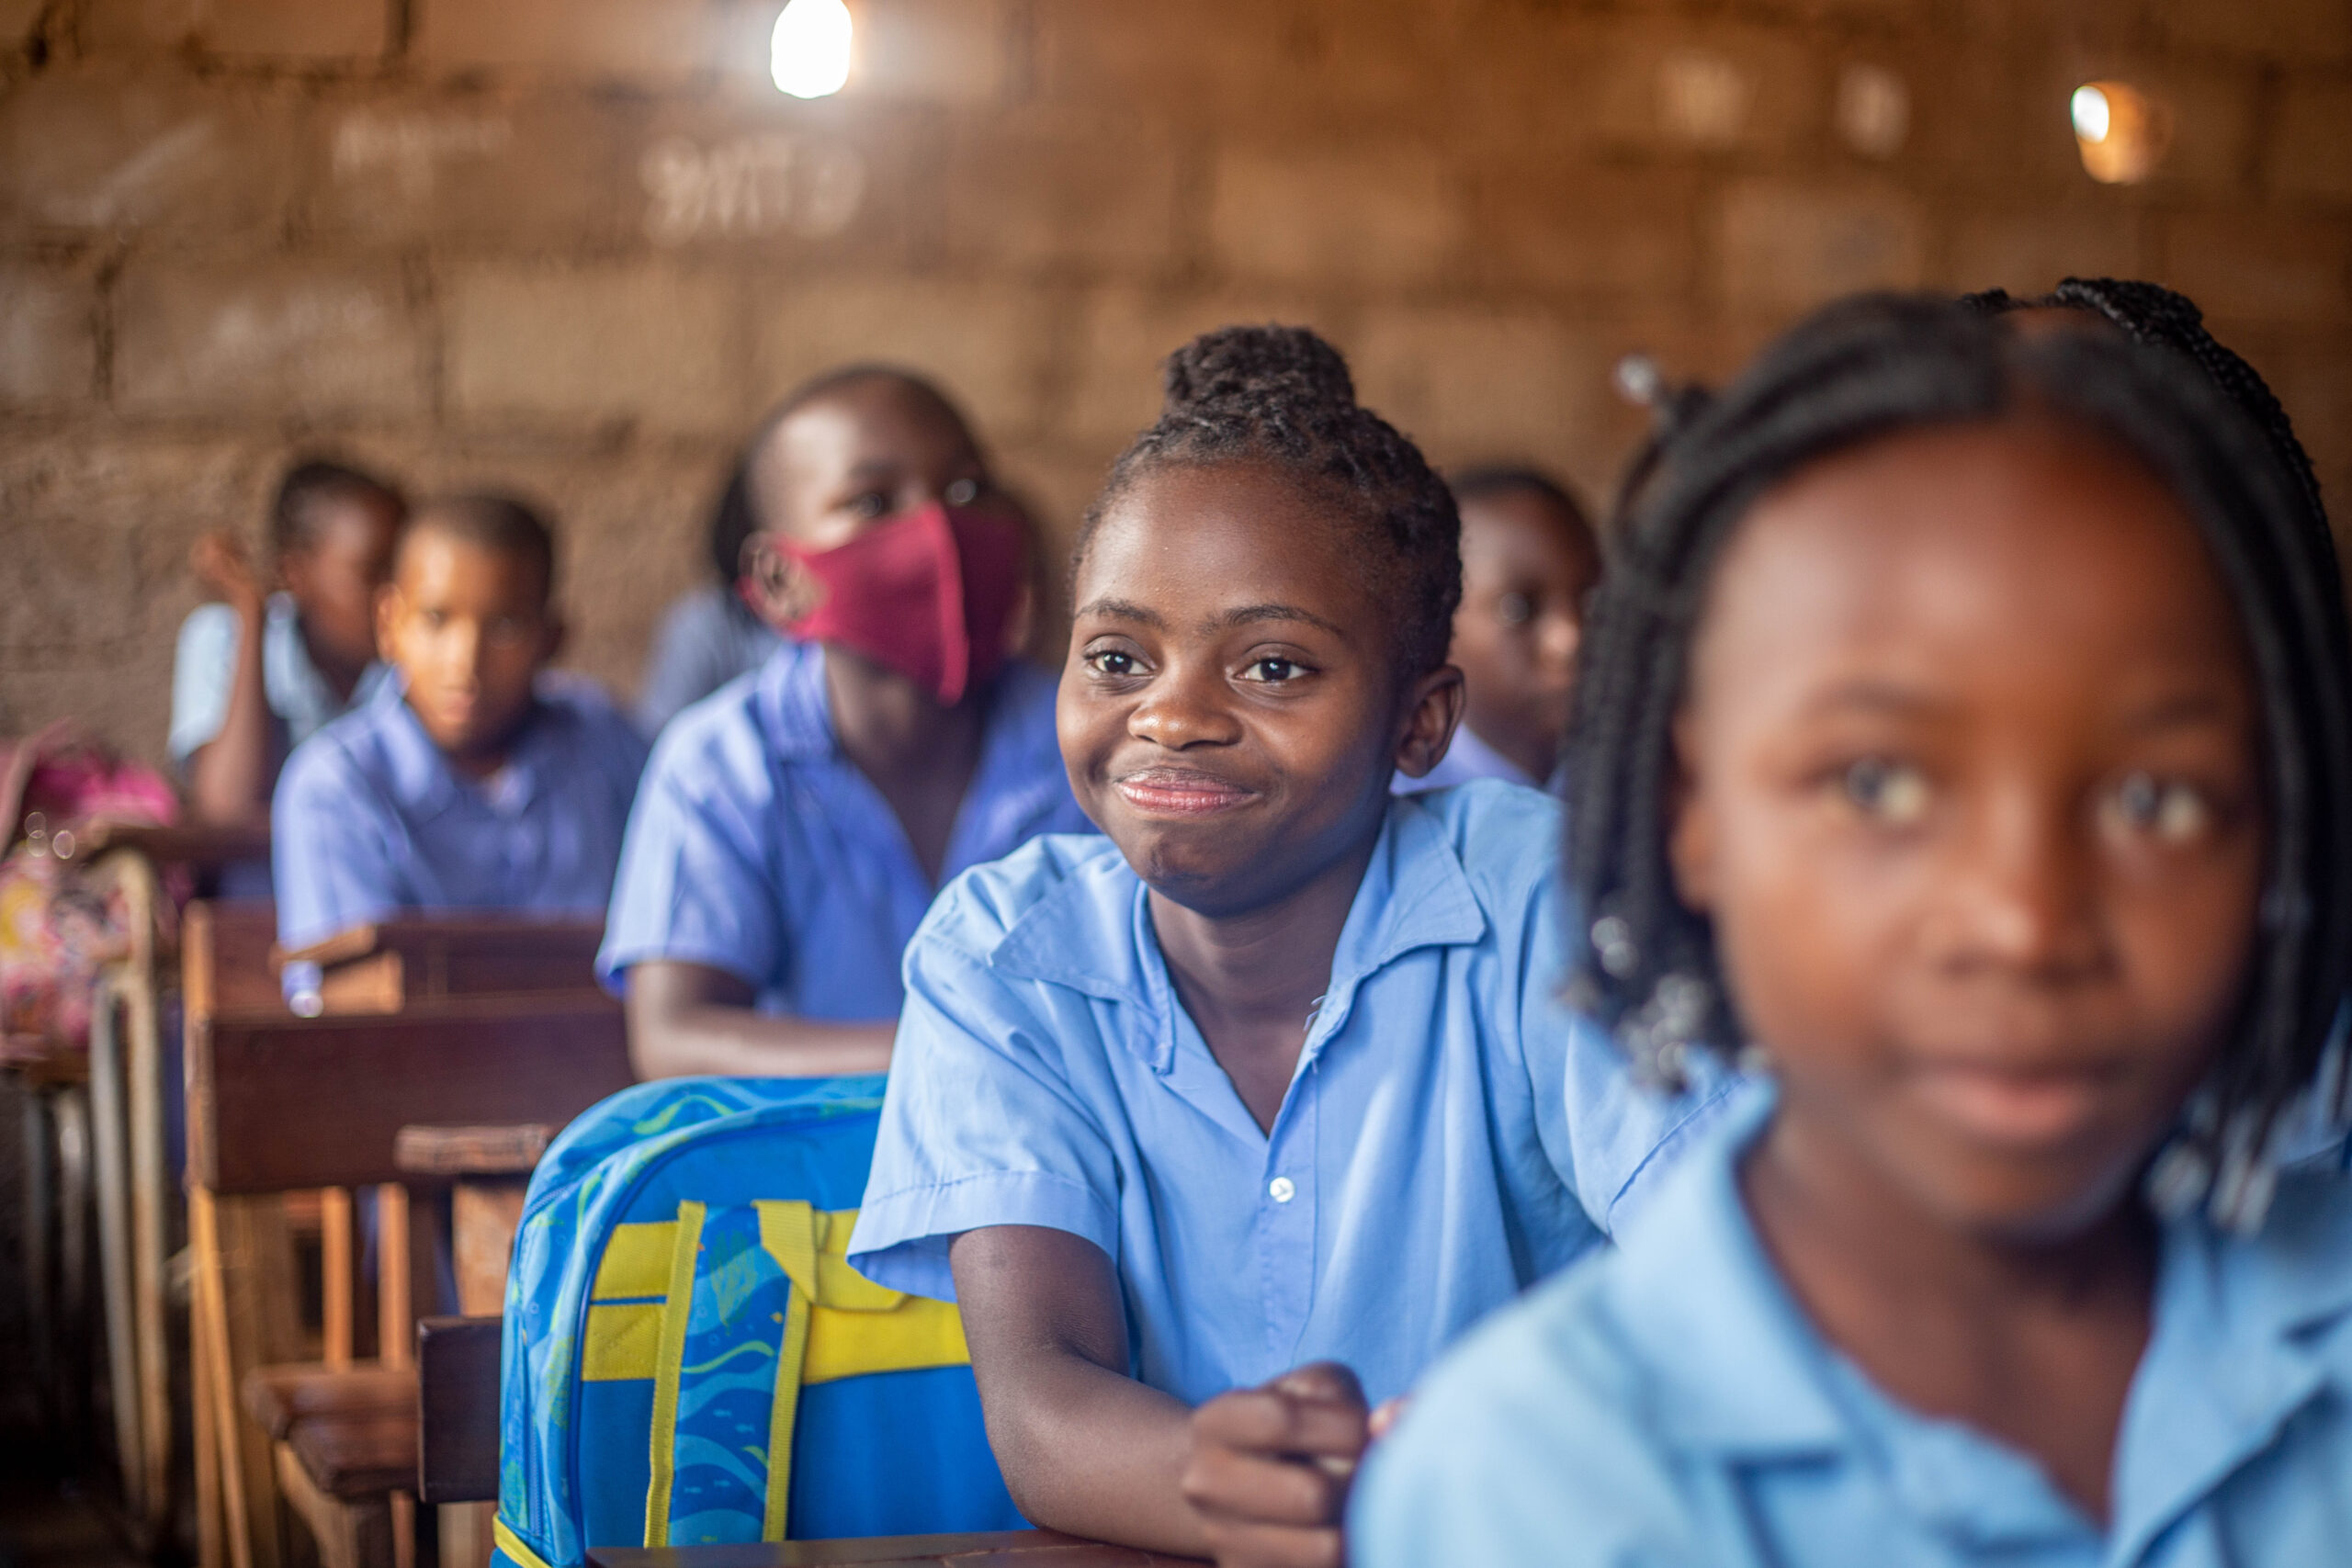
<point x="1005" y="1549"/>
<point x="403" y="961"/>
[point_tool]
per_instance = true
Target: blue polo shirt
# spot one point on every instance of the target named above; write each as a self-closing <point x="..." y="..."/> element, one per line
<point x="1671" y="1404"/>
<point x="1450" y="1136"/>
<point x="370" y="817"/>
<point x="759" y="848"/>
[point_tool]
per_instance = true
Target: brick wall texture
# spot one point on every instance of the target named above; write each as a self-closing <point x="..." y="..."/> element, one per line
<point x="575" y="246"/>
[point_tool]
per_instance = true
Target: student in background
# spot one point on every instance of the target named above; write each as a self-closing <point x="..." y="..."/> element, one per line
<point x="1528" y="559"/>
<point x="474" y="777"/>
<point x="1978" y="726"/>
<point x="257" y="675"/>
<point x="793" y="827"/>
<point x="1279" y="1073"/>
<point x="710" y="635"/>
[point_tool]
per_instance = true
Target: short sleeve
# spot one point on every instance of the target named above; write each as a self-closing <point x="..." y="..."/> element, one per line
<point x="694" y="884"/>
<point x="333" y="846"/>
<point x="202" y="667"/>
<point x="981" y="1126"/>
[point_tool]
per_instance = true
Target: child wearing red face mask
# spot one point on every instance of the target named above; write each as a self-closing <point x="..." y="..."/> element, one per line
<point x="793" y="827"/>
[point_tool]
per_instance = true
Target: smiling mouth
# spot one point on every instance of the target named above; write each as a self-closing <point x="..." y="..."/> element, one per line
<point x="1168" y="792"/>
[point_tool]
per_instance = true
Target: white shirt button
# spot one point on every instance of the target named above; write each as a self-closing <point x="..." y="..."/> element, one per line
<point x="1282" y="1190"/>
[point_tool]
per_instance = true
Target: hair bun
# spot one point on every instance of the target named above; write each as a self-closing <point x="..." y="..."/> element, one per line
<point x="1255" y="367"/>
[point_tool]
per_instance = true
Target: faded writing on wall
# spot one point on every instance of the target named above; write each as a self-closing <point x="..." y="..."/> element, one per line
<point x="750" y="187"/>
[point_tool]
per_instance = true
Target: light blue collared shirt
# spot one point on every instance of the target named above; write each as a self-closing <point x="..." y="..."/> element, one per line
<point x="1672" y="1404"/>
<point x="300" y="701"/>
<point x="760" y="848"/>
<point x="370" y="817"/>
<point x="1451" y="1134"/>
<point x="1468" y="759"/>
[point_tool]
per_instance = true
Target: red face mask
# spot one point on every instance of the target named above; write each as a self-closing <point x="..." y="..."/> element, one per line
<point x="930" y="595"/>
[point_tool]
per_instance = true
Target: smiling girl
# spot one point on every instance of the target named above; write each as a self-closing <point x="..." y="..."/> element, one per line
<point x="1276" y="1075"/>
<point x="1968" y="735"/>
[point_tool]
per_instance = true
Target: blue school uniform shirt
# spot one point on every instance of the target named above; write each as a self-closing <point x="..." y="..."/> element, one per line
<point x="1671" y="1404"/>
<point x="1451" y="1135"/>
<point x="1466" y="761"/>
<point x="370" y="817"/>
<point x="759" y="848"/>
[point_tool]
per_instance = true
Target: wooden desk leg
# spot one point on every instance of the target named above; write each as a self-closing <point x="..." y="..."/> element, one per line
<point x="336" y="1267"/>
<point x="210" y="1307"/>
<point x="110" y="1156"/>
<point x="395" y="1317"/>
<point x="484" y="1214"/>
<point x="211" y="1545"/>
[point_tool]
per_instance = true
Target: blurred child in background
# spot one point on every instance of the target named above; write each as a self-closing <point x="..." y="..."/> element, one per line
<point x="258" y="673"/>
<point x="473" y="778"/>
<point x="711" y="634"/>
<point x="795" y="826"/>
<point x="1528" y="559"/>
<point x="1966" y="736"/>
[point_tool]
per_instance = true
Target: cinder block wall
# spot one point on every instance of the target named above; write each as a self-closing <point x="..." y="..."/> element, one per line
<point x="576" y="245"/>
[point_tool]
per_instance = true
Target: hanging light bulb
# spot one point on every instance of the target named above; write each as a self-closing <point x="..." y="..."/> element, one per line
<point x="2120" y="132"/>
<point x="809" y="54"/>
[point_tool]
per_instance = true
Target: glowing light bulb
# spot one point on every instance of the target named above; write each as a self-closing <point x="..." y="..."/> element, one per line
<point x="809" y="54"/>
<point x="2092" y="114"/>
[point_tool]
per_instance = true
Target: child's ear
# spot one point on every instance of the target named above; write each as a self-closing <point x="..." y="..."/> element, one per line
<point x="552" y="641"/>
<point x="388" y="616"/>
<point x="1691" y="829"/>
<point x="1433" y="710"/>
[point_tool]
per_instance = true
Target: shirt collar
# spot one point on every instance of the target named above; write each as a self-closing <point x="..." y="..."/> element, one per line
<point x="1743" y="1375"/>
<point x="419" y="771"/>
<point x="1093" y="932"/>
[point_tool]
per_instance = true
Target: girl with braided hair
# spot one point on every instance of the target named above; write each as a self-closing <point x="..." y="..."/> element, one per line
<point x="1271" y="1090"/>
<point x="1966" y="737"/>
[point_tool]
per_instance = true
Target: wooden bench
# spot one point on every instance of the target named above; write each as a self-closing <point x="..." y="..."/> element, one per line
<point x="280" y="1104"/>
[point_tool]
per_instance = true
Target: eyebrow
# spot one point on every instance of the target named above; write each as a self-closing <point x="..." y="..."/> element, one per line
<point x="1124" y="610"/>
<point x="1249" y="614"/>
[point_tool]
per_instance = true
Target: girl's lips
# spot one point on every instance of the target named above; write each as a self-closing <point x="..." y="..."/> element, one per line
<point x="1166" y="794"/>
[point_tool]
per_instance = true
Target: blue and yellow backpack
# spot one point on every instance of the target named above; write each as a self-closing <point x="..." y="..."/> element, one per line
<point x="688" y="1356"/>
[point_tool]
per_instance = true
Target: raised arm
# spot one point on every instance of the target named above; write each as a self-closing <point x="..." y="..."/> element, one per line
<point x="228" y="775"/>
<point x="687" y="1018"/>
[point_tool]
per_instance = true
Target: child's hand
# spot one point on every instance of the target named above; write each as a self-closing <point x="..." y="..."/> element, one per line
<point x="1271" y="1466"/>
<point x="221" y="564"/>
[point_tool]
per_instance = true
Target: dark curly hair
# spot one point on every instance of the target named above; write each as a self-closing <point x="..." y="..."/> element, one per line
<point x="1868" y="369"/>
<point x="1283" y="396"/>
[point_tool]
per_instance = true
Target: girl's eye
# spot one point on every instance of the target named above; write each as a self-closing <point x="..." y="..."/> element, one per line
<point x="2166" y="809"/>
<point x="872" y="504"/>
<point x="1109" y="662"/>
<point x="1892" y="793"/>
<point x="1273" y="669"/>
<point x="961" y="492"/>
<point x="1514" y="609"/>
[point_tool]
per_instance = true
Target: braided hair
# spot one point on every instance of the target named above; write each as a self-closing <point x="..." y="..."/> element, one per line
<point x="1868" y="369"/>
<point x="1282" y="396"/>
<point x="2149" y="313"/>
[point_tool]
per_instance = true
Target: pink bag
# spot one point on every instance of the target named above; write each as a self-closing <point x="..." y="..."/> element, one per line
<point x="58" y="927"/>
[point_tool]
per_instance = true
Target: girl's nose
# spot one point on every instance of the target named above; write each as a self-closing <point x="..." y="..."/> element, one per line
<point x="2021" y="891"/>
<point x="1183" y="709"/>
